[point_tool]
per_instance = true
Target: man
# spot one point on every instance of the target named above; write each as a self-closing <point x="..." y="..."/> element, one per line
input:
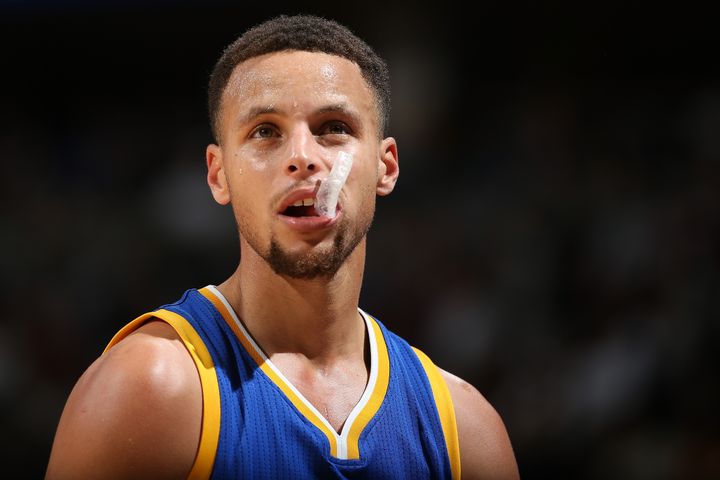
<point x="276" y="372"/>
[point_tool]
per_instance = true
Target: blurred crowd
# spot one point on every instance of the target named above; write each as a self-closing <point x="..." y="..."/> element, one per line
<point x="553" y="238"/>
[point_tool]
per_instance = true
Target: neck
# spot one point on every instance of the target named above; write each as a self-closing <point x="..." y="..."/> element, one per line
<point x="317" y="318"/>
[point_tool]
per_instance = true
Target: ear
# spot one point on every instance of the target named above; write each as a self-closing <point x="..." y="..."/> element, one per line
<point x="216" y="174"/>
<point x="388" y="167"/>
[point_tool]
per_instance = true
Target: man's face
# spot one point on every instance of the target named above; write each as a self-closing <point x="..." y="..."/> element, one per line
<point x="285" y="117"/>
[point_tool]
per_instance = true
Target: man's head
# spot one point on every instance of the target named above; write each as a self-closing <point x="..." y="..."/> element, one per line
<point x="284" y="109"/>
<point x="304" y="33"/>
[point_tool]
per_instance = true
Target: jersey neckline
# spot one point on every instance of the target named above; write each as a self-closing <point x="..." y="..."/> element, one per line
<point x="343" y="445"/>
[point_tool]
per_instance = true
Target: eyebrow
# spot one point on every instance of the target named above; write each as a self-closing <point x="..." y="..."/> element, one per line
<point x="255" y="112"/>
<point x="342" y="108"/>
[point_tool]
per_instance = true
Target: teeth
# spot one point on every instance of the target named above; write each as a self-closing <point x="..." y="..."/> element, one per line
<point x="306" y="202"/>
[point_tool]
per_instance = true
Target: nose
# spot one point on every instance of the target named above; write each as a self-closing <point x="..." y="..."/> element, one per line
<point x="302" y="157"/>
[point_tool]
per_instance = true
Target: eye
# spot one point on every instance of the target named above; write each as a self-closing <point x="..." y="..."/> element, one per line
<point x="336" y="128"/>
<point x="264" y="131"/>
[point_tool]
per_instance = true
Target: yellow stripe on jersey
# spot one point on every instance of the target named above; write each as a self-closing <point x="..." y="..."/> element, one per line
<point x="210" y="429"/>
<point x="445" y="408"/>
<point x="377" y="397"/>
<point x="299" y="404"/>
<point x="371" y="407"/>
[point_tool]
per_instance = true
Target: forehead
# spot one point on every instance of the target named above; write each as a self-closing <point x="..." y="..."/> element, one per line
<point x="297" y="79"/>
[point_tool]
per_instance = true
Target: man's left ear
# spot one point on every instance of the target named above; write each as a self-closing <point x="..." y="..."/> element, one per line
<point x="388" y="167"/>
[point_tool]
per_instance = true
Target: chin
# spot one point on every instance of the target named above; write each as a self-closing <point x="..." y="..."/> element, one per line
<point x="309" y="261"/>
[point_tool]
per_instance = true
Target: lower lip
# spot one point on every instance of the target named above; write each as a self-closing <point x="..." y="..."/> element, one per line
<point x="309" y="224"/>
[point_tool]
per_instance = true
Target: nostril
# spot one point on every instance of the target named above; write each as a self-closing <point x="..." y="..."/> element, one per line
<point x="311" y="166"/>
<point x="292" y="168"/>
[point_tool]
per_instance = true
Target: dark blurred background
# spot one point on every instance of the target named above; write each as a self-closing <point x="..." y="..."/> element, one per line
<point x="553" y="237"/>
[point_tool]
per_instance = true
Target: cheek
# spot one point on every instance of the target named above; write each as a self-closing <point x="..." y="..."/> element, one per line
<point x="369" y="195"/>
<point x="246" y="194"/>
<point x="250" y="216"/>
<point x="252" y="159"/>
<point x="366" y="179"/>
<point x="364" y="185"/>
<point x="248" y="174"/>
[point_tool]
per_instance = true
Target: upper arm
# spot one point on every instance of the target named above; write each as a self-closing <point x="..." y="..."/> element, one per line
<point x="485" y="449"/>
<point x="135" y="413"/>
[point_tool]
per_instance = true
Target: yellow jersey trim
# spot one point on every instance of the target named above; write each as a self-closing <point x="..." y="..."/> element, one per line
<point x="210" y="429"/>
<point x="346" y="444"/>
<point x="244" y="341"/>
<point x="376" y="398"/>
<point x="445" y="409"/>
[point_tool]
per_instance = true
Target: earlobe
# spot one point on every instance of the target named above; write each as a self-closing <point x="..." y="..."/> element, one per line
<point x="217" y="181"/>
<point x="388" y="166"/>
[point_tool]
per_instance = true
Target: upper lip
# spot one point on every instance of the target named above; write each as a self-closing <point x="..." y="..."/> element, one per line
<point x="295" y="195"/>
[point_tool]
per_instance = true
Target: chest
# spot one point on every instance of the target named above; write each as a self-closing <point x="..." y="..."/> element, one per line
<point x="265" y="435"/>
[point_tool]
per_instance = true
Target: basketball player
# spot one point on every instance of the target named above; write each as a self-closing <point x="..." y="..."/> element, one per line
<point x="276" y="372"/>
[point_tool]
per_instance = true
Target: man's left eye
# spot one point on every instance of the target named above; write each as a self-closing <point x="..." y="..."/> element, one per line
<point x="337" y="128"/>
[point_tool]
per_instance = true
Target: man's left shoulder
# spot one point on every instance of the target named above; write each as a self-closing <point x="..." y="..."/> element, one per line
<point x="485" y="448"/>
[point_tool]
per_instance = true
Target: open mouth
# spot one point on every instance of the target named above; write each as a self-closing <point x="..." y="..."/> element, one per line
<point x="301" y="208"/>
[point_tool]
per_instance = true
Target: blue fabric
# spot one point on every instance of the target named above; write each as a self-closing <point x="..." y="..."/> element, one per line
<point x="263" y="435"/>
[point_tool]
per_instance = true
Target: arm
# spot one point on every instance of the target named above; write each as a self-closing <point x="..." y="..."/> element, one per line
<point x="135" y="413"/>
<point x="485" y="449"/>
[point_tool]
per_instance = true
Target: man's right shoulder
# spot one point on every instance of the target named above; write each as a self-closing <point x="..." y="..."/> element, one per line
<point x="136" y="411"/>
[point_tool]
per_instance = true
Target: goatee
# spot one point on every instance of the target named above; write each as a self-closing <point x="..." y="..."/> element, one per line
<point x="313" y="264"/>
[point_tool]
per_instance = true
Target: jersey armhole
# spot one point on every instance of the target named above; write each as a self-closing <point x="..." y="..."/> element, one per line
<point x="446" y="410"/>
<point x="210" y="429"/>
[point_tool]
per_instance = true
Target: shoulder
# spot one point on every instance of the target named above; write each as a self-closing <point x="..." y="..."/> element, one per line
<point x="122" y="417"/>
<point x="485" y="448"/>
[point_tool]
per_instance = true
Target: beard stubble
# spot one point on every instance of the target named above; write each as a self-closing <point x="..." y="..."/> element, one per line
<point x="317" y="262"/>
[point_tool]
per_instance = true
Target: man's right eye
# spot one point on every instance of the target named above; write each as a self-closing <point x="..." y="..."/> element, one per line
<point x="263" y="131"/>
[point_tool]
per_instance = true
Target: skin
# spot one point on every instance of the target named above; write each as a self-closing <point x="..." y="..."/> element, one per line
<point x="278" y="134"/>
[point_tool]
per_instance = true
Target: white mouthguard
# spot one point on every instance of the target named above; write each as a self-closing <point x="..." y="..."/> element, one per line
<point x="327" y="195"/>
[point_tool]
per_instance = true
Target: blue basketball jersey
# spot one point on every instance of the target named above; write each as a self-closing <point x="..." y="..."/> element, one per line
<point x="257" y="425"/>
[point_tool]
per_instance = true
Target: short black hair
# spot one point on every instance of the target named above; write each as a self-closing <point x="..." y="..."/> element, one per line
<point x="305" y="33"/>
